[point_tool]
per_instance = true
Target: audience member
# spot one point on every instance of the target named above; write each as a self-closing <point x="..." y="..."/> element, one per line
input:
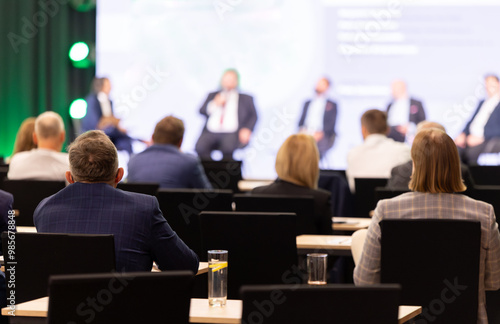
<point x="435" y="182"/>
<point x="376" y="157"/>
<point x="164" y="163"/>
<point x="46" y="162"/>
<point x="319" y="116"/>
<point x="297" y="165"/>
<point x="482" y="132"/>
<point x="91" y="204"/>
<point x="24" y="138"/>
<point x="401" y="174"/>
<point x="6" y="200"/>
<point x="403" y="112"/>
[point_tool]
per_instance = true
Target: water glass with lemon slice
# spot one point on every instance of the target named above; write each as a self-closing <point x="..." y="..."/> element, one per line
<point x="217" y="278"/>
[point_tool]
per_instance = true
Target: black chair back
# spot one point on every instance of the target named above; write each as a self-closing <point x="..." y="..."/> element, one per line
<point x="27" y="196"/>
<point x="140" y="187"/>
<point x="40" y="255"/>
<point x="302" y="206"/>
<point x="181" y="208"/>
<point x="485" y="175"/>
<point x="141" y="297"/>
<point x="223" y="174"/>
<point x="321" y="304"/>
<point x="365" y="194"/>
<point x="262" y="247"/>
<point x="387" y="193"/>
<point x="437" y="264"/>
<point x="489" y="194"/>
<point x="4" y="170"/>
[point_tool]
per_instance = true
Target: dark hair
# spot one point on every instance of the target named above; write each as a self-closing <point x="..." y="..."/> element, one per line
<point x="97" y="84"/>
<point x="375" y="121"/>
<point x="169" y="130"/>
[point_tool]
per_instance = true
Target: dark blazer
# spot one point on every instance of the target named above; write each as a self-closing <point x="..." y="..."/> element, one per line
<point x="417" y="115"/>
<point x="247" y="115"/>
<point x="166" y="165"/>
<point x="142" y="235"/>
<point x="6" y="201"/>
<point x="492" y="127"/>
<point x="401" y="174"/>
<point x="322" y="205"/>
<point x="329" y="117"/>
<point x="94" y="113"/>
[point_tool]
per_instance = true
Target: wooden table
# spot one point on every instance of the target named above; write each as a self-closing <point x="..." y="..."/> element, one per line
<point x="248" y="185"/>
<point x="199" y="312"/>
<point x="350" y="224"/>
<point x="26" y="229"/>
<point x="330" y="244"/>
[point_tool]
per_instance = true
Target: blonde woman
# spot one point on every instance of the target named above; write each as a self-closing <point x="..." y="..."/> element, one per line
<point x="24" y="138"/>
<point x="297" y="165"/>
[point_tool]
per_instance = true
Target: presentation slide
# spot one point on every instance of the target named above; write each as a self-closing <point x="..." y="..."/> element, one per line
<point x="163" y="57"/>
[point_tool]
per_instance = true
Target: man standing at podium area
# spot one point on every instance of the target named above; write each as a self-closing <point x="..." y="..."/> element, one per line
<point x="231" y="118"/>
<point x="319" y="116"/>
<point x="91" y="204"/>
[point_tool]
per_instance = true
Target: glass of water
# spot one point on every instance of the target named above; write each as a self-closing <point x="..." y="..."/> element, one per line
<point x="217" y="278"/>
<point x="316" y="268"/>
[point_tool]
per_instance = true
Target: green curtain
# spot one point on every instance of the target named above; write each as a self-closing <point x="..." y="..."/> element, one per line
<point x="35" y="72"/>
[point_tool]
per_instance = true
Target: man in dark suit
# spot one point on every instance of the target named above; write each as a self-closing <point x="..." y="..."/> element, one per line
<point x="403" y="112"/>
<point x="482" y="132"/>
<point x="163" y="162"/>
<point x="231" y="118"/>
<point x="100" y="115"/>
<point x="319" y="116"/>
<point x="91" y="204"/>
<point x="6" y="200"/>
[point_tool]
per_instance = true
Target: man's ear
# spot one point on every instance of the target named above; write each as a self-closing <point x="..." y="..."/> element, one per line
<point x="119" y="175"/>
<point x="63" y="136"/>
<point x="69" y="177"/>
<point x="35" y="139"/>
<point x="180" y="143"/>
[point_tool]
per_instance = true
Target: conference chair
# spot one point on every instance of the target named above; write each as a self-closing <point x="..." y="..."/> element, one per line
<point x="262" y="247"/>
<point x="489" y="194"/>
<point x="40" y="255"/>
<point x="430" y="259"/>
<point x="141" y="297"/>
<point x="27" y="196"/>
<point x="485" y="175"/>
<point x="139" y="187"/>
<point x="365" y="194"/>
<point x="387" y="193"/>
<point x="302" y="206"/>
<point x="335" y="182"/>
<point x="327" y="304"/>
<point x="4" y="170"/>
<point x="223" y="174"/>
<point x="182" y="206"/>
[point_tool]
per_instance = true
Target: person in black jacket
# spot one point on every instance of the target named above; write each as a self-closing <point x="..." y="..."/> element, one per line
<point x="297" y="165"/>
<point x="231" y="118"/>
<point x="319" y="116"/>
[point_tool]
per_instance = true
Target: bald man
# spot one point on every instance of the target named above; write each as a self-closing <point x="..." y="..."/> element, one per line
<point x="403" y="111"/>
<point x="46" y="162"/>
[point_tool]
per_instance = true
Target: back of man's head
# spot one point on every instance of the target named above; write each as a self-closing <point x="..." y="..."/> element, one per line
<point x="374" y="121"/>
<point x="49" y="131"/>
<point x="93" y="158"/>
<point x="169" y="130"/>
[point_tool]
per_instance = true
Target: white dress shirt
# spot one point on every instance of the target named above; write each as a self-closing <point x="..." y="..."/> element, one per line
<point x="315" y="113"/>
<point x="105" y="104"/>
<point x="375" y="158"/>
<point x="399" y="113"/>
<point x="224" y="119"/>
<point x="38" y="164"/>
<point x="477" y="126"/>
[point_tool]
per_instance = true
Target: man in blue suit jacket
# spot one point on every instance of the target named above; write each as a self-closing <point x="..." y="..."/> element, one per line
<point x="482" y="133"/>
<point x="231" y="118"/>
<point x="322" y="129"/>
<point x="164" y="163"/>
<point x="91" y="204"/>
<point x="100" y="115"/>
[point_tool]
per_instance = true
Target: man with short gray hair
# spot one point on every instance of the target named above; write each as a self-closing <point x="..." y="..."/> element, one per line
<point x="91" y="204"/>
<point x="46" y="162"/>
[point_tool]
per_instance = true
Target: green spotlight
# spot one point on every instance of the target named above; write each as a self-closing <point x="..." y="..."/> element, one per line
<point x="79" y="51"/>
<point x="78" y="108"/>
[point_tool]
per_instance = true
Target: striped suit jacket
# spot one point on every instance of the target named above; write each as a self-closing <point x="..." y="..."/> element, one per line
<point x="142" y="235"/>
<point x="435" y="206"/>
